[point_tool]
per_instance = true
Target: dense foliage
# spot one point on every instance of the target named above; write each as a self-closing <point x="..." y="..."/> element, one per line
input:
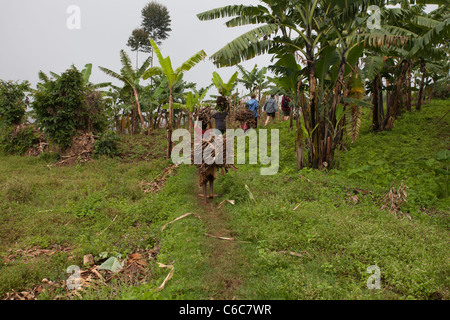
<point x="328" y="55"/>
<point x="66" y="106"/>
<point x="18" y="139"/>
<point x="106" y="145"/>
<point x="354" y="189"/>
<point x="13" y="101"/>
<point x="441" y="89"/>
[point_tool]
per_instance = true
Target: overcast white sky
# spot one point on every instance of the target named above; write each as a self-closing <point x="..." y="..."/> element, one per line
<point x="34" y="36"/>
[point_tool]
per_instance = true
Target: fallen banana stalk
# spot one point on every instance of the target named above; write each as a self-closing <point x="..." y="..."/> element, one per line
<point x="169" y="276"/>
<point x="221" y="238"/>
<point x="180" y="217"/>
<point x="225" y="238"/>
<point x="94" y="271"/>
<point x="221" y="204"/>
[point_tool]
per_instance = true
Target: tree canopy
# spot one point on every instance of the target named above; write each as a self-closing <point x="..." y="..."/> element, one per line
<point x="156" y="21"/>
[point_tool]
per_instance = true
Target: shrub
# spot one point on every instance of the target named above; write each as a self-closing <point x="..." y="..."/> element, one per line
<point x="13" y="101"/>
<point x="441" y="89"/>
<point x="18" y="139"/>
<point x="66" y="106"/>
<point x="106" y="145"/>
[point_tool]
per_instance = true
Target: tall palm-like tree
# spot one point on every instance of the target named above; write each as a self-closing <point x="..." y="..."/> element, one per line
<point x="131" y="79"/>
<point x="254" y="80"/>
<point x="138" y="41"/>
<point x="172" y="76"/>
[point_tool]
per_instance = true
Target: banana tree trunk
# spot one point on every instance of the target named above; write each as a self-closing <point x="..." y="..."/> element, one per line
<point x="329" y="143"/>
<point x="395" y="97"/>
<point x="139" y="110"/>
<point x="316" y="145"/>
<point x="291" y="118"/>
<point x="179" y="117"/>
<point x="133" y="115"/>
<point x="157" y="118"/>
<point x="337" y="91"/>
<point x="299" y="148"/>
<point x="422" y="82"/>
<point x="189" y="122"/>
<point x="430" y="94"/>
<point x="150" y="122"/>
<point x="377" y="116"/>
<point x="408" y="89"/>
<point x="169" y="125"/>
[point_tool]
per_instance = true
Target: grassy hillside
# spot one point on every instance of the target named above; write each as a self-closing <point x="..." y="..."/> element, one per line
<point x="296" y="235"/>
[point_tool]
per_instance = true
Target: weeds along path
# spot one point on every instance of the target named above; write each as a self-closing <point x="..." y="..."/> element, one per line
<point x="225" y="273"/>
<point x="205" y="266"/>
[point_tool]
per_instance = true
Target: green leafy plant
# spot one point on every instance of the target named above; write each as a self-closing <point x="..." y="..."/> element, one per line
<point x="106" y="145"/>
<point x="17" y="140"/>
<point x="443" y="156"/>
<point x="13" y="101"/>
<point x="173" y="77"/>
<point x="441" y="88"/>
<point x="66" y="106"/>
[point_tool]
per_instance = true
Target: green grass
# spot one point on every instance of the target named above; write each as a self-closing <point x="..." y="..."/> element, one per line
<point x="408" y="152"/>
<point x="90" y="208"/>
<point x="100" y="207"/>
<point x="344" y="238"/>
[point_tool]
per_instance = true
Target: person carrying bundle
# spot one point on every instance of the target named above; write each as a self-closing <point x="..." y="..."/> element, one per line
<point x="209" y="150"/>
<point x="222" y="107"/>
<point x="220" y="120"/>
<point x="270" y="107"/>
<point x="202" y="115"/>
<point x="247" y="119"/>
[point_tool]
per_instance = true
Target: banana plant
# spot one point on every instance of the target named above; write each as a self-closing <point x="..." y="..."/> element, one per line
<point x="254" y="80"/>
<point x="225" y="88"/>
<point x="131" y="79"/>
<point x="193" y="100"/>
<point x="172" y="76"/>
<point x="86" y="72"/>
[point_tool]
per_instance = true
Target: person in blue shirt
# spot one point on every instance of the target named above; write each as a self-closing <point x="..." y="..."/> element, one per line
<point x="252" y="105"/>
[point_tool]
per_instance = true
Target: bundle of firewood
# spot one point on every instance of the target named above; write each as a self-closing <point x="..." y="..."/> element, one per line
<point x="203" y="114"/>
<point x="222" y="103"/>
<point x="211" y="157"/>
<point x="246" y="115"/>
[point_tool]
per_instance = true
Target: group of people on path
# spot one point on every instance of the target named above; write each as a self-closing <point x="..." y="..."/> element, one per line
<point x="270" y="107"/>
